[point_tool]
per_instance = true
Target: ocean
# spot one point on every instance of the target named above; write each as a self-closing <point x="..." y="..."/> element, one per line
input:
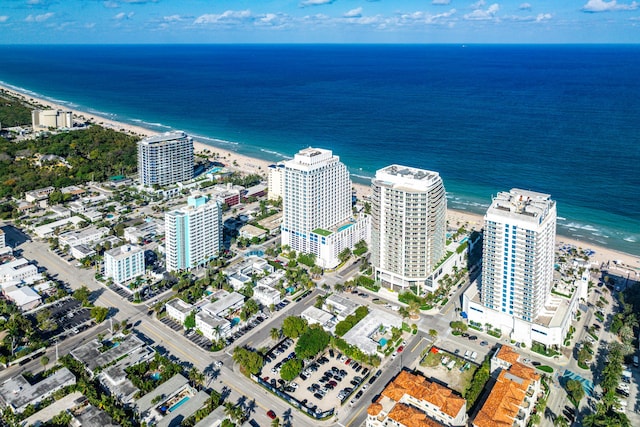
<point x="559" y="119"/>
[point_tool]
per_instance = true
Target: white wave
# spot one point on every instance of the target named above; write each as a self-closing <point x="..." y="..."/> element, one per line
<point x="214" y="140"/>
<point x="630" y="239"/>
<point x="361" y="176"/>
<point x="275" y="153"/>
<point x="101" y="113"/>
<point x="160" y="125"/>
<point x="586" y="227"/>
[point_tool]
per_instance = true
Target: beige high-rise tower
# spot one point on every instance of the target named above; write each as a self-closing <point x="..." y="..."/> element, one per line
<point x="408" y="225"/>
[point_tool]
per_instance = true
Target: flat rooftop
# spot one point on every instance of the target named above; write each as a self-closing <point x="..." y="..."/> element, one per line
<point x="163" y="137"/>
<point x="17" y="391"/>
<point x="91" y="356"/>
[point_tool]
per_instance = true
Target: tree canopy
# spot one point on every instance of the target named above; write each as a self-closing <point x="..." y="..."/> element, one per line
<point x="312" y="342"/>
<point x="293" y="326"/>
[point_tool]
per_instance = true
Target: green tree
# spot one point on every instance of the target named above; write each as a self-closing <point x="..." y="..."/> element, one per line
<point x="250" y="361"/>
<point x="275" y="334"/>
<point x="196" y="377"/>
<point x="99" y="314"/>
<point x="44" y="360"/>
<point x="190" y="320"/>
<point x="312" y="342"/>
<point x="293" y="326"/>
<point x="433" y="334"/>
<point x="575" y="390"/>
<point x="344" y="255"/>
<point x="291" y="369"/>
<point x="82" y="294"/>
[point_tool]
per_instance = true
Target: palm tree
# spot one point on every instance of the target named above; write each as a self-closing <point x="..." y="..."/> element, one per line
<point x="560" y="422"/>
<point x="433" y="334"/>
<point x="275" y="334"/>
<point x="196" y="377"/>
<point x="275" y="422"/>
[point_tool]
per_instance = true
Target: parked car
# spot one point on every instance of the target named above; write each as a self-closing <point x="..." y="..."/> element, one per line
<point x="271" y="414"/>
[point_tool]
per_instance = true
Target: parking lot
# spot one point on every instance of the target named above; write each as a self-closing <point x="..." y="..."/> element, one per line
<point x="69" y="315"/>
<point x="325" y="383"/>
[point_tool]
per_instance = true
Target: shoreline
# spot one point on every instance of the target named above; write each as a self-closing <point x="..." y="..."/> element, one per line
<point x="243" y="163"/>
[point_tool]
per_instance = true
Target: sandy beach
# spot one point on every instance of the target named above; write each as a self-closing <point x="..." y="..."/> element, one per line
<point x="242" y="163"/>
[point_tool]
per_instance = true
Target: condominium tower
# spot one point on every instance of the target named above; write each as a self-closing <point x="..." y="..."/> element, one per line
<point x="316" y="206"/>
<point x="193" y="233"/>
<point x="165" y="159"/>
<point x="408" y="225"/>
<point x="124" y="263"/>
<point x="518" y="253"/>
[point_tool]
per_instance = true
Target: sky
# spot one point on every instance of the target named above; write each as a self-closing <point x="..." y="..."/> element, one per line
<point x="318" y="21"/>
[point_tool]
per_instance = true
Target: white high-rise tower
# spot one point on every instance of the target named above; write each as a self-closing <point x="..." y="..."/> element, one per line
<point x="408" y="225"/>
<point x="518" y="253"/>
<point x="165" y="159"/>
<point x="193" y="233"/>
<point x="316" y="206"/>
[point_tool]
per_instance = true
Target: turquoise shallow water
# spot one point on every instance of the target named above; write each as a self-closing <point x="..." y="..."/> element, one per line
<point x="556" y="119"/>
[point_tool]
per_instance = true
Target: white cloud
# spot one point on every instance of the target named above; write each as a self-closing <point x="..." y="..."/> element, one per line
<point x="35" y="2"/>
<point x="608" y="6"/>
<point x="4" y="18"/>
<point x="441" y="2"/>
<point x="354" y="13"/>
<point x="228" y="16"/>
<point x="543" y="17"/>
<point x="120" y="16"/>
<point x="173" y="18"/>
<point x="110" y="4"/>
<point x="483" y="14"/>
<point x="525" y="6"/>
<point x="90" y="25"/>
<point x="478" y="4"/>
<point x="39" y="18"/>
<point x="315" y="2"/>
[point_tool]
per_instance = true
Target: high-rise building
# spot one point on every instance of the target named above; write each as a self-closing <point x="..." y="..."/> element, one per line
<point x="408" y="225"/>
<point x="275" y="181"/>
<point x="165" y="159"/>
<point x="193" y="233"/>
<point x="316" y="207"/>
<point x="518" y="253"/>
<point x="513" y="294"/>
<point x="56" y="119"/>
<point x="124" y="263"/>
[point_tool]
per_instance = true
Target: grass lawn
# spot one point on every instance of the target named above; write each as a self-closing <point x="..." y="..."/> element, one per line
<point x="455" y="379"/>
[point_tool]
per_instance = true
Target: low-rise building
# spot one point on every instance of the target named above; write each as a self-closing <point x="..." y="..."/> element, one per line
<point x="86" y="236"/>
<point x="178" y="310"/>
<point x="124" y="263"/>
<point x="25" y="298"/>
<point x="41" y="194"/>
<point x="19" y="270"/>
<point x="273" y="279"/>
<point x="225" y="305"/>
<point x="239" y="275"/>
<point x="55" y="119"/>
<point x="272" y="223"/>
<point x="266" y="295"/>
<point x="249" y="231"/>
<point x="93" y="355"/>
<point x="212" y="327"/>
<point x="514" y="394"/>
<point x="316" y="316"/>
<point x="47" y="230"/>
<point x="82" y="251"/>
<point x="17" y="393"/>
<point x="340" y="306"/>
<point x="410" y="400"/>
<point x="364" y="333"/>
<point x="170" y="402"/>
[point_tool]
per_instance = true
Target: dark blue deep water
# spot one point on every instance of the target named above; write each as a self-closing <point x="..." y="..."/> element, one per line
<point x="564" y="120"/>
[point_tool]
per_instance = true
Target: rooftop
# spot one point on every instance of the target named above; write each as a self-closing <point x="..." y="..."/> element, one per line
<point x="420" y="388"/>
<point x="522" y="204"/>
<point x="180" y="305"/>
<point x="411" y="417"/>
<point x="407" y="178"/>
<point x="18" y="392"/>
<point x="164" y="137"/>
<point x="503" y="403"/>
<point x="91" y="356"/>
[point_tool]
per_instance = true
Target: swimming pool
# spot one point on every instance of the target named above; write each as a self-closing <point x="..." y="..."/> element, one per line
<point x="235" y="321"/>
<point x="177" y="405"/>
<point x="155" y="376"/>
<point x="382" y="342"/>
<point x="344" y="227"/>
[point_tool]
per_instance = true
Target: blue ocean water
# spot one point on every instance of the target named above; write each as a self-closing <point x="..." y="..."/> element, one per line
<point x="557" y="119"/>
